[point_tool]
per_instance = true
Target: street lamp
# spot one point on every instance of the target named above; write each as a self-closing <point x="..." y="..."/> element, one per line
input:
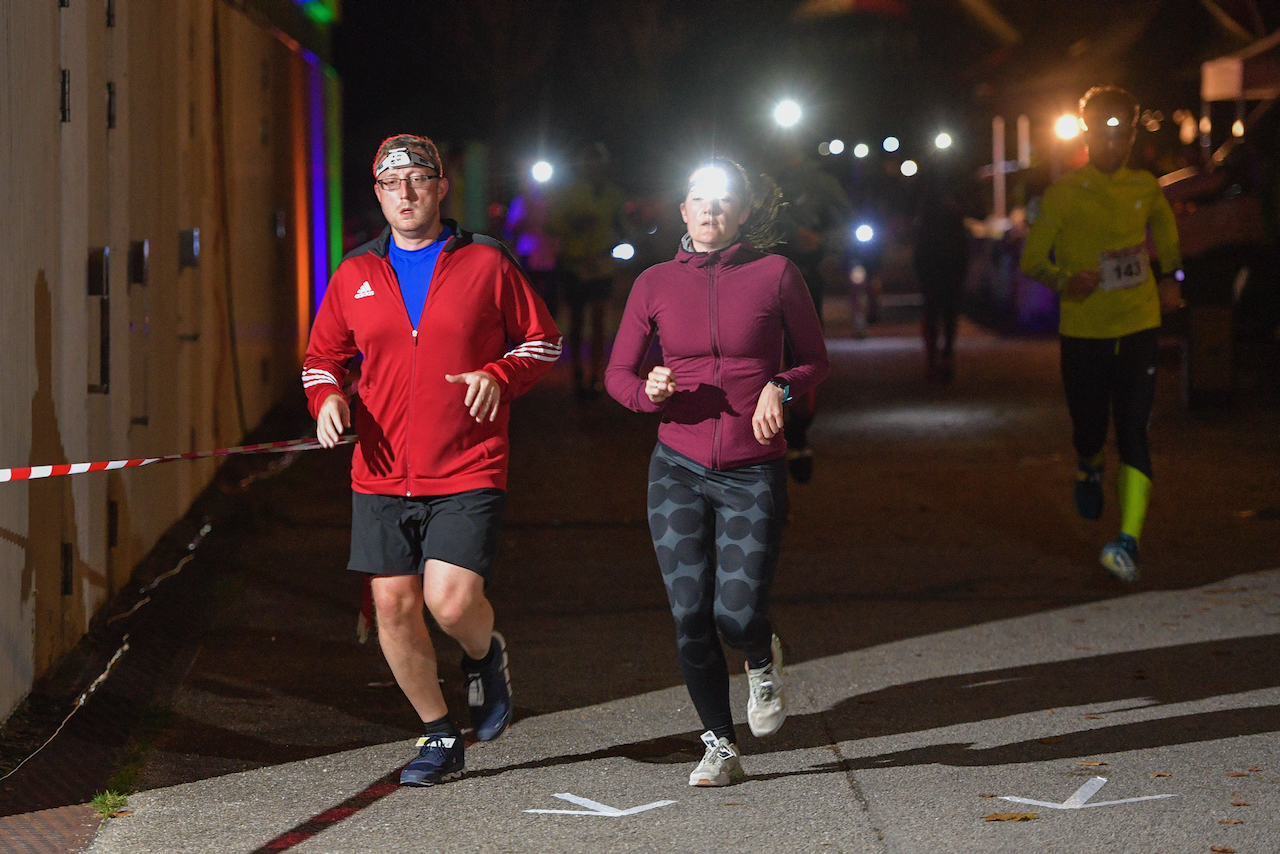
<point x="942" y="140"/>
<point x="787" y="113"/>
<point x="864" y="233"/>
<point x="541" y="171"/>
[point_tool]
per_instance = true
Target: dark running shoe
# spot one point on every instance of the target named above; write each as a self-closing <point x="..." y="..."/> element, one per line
<point x="489" y="691"/>
<point x="441" y="759"/>
<point x="1088" y="491"/>
<point x="1120" y="557"/>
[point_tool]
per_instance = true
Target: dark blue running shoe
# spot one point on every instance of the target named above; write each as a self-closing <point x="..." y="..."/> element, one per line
<point x="489" y="692"/>
<point x="441" y="759"/>
<point x="1120" y="557"/>
<point x="1088" y="492"/>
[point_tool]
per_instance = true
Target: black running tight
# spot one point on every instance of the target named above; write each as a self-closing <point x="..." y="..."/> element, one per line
<point x="1112" y="379"/>
<point x="717" y="535"/>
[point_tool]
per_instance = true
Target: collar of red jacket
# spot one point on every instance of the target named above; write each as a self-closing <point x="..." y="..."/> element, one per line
<point x="380" y="244"/>
<point x="738" y="253"/>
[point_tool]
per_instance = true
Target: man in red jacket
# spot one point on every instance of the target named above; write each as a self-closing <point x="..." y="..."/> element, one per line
<point x="435" y="311"/>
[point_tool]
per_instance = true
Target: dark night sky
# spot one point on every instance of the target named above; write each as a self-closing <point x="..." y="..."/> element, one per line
<point x="658" y="80"/>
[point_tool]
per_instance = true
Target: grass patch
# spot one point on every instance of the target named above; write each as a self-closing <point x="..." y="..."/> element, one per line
<point x="109" y="803"/>
<point x="153" y="721"/>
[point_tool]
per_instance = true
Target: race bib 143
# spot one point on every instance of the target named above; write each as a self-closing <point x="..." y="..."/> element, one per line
<point x="1123" y="268"/>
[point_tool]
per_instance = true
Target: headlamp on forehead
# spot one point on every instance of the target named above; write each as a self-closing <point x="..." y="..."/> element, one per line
<point x="1111" y="125"/>
<point x="709" y="182"/>
<point x="397" y="157"/>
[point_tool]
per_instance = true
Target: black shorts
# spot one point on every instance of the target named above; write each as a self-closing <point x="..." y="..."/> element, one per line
<point x="395" y="535"/>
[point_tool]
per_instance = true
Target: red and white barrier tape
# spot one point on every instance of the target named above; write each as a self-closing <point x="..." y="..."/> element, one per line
<point x="37" y="472"/>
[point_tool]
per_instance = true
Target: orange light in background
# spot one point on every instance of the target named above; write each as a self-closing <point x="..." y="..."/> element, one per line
<point x="1067" y="126"/>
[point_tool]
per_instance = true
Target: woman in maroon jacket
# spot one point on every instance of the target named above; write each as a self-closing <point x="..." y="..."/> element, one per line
<point x="717" y="478"/>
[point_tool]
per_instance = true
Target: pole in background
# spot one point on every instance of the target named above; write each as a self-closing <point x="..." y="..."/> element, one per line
<point x="1024" y="142"/>
<point x="999" y="210"/>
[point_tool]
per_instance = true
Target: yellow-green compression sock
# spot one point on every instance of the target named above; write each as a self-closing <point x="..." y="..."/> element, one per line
<point x="1134" y="488"/>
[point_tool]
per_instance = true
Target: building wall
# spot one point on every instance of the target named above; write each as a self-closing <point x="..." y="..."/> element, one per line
<point x="205" y="114"/>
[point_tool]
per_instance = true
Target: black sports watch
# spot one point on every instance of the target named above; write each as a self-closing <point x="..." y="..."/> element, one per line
<point x="786" y="389"/>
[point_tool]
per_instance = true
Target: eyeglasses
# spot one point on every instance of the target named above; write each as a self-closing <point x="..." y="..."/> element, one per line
<point x="417" y="180"/>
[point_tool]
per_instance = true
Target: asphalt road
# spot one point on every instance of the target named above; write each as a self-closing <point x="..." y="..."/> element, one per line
<point x="950" y="639"/>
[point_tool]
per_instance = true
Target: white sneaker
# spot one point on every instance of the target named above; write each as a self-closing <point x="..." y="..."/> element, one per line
<point x="767" y="703"/>
<point x="720" y="765"/>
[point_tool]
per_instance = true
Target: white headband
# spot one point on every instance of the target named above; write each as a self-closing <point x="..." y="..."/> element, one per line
<point x="398" y="157"/>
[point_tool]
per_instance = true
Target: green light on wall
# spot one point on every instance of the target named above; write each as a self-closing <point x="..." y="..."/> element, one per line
<point x="333" y="154"/>
<point x="323" y="12"/>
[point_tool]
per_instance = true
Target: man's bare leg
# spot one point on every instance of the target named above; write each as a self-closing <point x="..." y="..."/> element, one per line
<point x="455" y="597"/>
<point x="406" y="643"/>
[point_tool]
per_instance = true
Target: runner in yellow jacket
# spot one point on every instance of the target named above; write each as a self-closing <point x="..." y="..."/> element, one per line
<point x="1090" y="243"/>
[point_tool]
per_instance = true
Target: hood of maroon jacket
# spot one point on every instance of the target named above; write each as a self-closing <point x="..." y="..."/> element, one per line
<point x="720" y="318"/>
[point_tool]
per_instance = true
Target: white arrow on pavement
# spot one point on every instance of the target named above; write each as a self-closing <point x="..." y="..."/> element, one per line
<point x="1079" y="800"/>
<point x="596" y="808"/>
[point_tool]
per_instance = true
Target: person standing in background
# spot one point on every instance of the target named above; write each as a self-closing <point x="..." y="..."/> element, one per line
<point x="585" y="219"/>
<point x="941" y="258"/>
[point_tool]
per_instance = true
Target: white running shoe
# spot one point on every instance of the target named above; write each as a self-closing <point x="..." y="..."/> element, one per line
<point x="720" y="765"/>
<point x="767" y="702"/>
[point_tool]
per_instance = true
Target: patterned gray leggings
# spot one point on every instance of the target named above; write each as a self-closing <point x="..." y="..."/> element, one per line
<point x="717" y="535"/>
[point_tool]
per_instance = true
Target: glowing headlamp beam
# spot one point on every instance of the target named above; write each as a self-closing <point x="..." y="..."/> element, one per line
<point x="709" y="182"/>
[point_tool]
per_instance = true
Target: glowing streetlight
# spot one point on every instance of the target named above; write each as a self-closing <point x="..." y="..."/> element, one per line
<point x="787" y="113"/>
<point x="1187" y="130"/>
<point x="942" y="140"/>
<point x="837" y="146"/>
<point x="864" y="233"/>
<point x="1067" y="126"/>
<point x="541" y="171"/>
<point x="909" y="168"/>
<point x="891" y="143"/>
<point x="861" y="150"/>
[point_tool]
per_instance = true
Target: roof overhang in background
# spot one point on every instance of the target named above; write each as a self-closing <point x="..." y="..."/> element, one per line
<point x="1250" y="74"/>
<point x="826" y="8"/>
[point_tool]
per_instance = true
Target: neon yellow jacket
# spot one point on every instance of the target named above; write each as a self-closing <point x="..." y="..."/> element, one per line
<point x="1086" y="213"/>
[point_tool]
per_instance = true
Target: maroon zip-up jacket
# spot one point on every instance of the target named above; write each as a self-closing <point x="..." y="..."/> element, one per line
<point x="720" y="319"/>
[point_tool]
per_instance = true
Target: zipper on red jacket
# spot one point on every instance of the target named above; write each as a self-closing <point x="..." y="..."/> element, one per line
<point x="413" y="370"/>
<point x="715" y="356"/>
<point x="413" y="375"/>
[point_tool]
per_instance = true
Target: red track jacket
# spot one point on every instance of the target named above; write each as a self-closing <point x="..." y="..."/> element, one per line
<point x="415" y="434"/>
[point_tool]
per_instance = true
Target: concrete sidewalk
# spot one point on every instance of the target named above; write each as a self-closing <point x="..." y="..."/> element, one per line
<point x="896" y="748"/>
